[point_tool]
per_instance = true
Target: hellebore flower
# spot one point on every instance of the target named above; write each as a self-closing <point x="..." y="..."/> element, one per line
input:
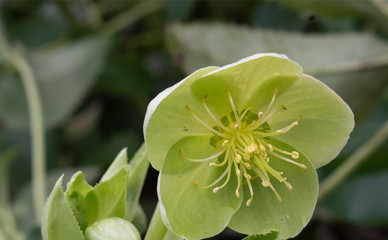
<point x="238" y="146"/>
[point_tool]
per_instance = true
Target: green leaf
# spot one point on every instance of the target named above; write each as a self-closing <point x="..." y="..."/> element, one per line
<point x="118" y="163"/>
<point x="269" y="236"/>
<point x="63" y="75"/>
<point x="156" y="119"/>
<point x="112" y="229"/>
<point x="361" y="199"/>
<point x="139" y="220"/>
<point x="76" y="193"/>
<point x="188" y="210"/>
<point x="339" y="9"/>
<point x="23" y="206"/>
<point x="346" y="61"/>
<point x="108" y="198"/>
<point x="287" y="217"/>
<point x="137" y="173"/>
<point x="58" y="221"/>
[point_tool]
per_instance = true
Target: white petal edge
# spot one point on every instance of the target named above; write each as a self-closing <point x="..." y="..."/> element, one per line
<point x="247" y="59"/>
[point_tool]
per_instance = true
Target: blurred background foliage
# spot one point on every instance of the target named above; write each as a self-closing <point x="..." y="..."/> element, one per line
<point x="98" y="64"/>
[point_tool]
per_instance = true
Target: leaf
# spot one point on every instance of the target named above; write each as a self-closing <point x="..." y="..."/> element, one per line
<point x="63" y="75"/>
<point x="118" y="163"/>
<point x="58" y="222"/>
<point x="76" y="193"/>
<point x="269" y="236"/>
<point x="137" y="173"/>
<point x="361" y="199"/>
<point x="339" y="8"/>
<point x="23" y="206"/>
<point x="108" y="198"/>
<point x="344" y="61"/>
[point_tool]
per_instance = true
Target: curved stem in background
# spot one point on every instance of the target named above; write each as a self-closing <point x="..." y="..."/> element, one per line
<point x="37" y="131"/>
<point x="131" y="15"/>
<point x="350" y="164"/>
<point x="380" y="6"/>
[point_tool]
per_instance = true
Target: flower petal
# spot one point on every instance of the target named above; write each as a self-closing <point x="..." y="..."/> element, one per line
<point x="287" y="217"/>
<point x="244" y="79"/>
<point x="325" y="124"/>
<point x="189" y="210"/>
<point x="167" y="119"/>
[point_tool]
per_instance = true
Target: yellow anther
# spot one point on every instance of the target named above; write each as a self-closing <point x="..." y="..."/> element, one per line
<point x="270" y="147"/>
<point x="238" y="173"/>
<point x="294" y="124"/>
<point x="251" y="148"/>
<point x="237" y="127"/>
<point x="260" y="114"/>
<point x="279" y="131"/>
<point x="295" y="155"/>
<point x="302" y="165"/>
<point x="216" y="189"/>
<point x="237" y="193"/>
<point x="249" y="202"/>
<point x="288" y="185"/>
<point x="265" y="183"/>
<point x="225" y="142"/>
<point x="262" y="148"/>
<point x="247" y="176"/>
<point x="212" y="164"/>
<point x="267" y="159"/>
<point x="238" y="159"/>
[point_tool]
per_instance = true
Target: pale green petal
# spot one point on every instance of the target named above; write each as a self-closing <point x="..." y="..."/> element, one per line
<point x="252" y="76"/>
<point x="112" y="229"/>
<point x="167" y="120"/>
<point x="188" y="210"/>
<point x="325" y="125"/>
<point x="266" y="213"/>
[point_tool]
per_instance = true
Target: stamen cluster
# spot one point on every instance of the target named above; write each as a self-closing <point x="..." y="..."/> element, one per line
<point x="244" y="148"/>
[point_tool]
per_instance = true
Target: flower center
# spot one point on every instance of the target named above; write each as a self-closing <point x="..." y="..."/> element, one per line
<point x="242" y="138"/>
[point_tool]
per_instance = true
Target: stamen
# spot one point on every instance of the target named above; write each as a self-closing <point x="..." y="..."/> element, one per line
<point x="276" y="193"/>
<point x="216" y="189"/>
<point x="233" y="107"/>
<point x="205" y="125"/>
<point x="293" y="154"/>
<point x="238" y="175"/>
<point x="202" y="159"/>
<point x="277" y="132"/>
<point x="288" y="160"/>
<point x="216" y="181"/>
<point x="212" y="116"/>
<point x="223" y="162"/>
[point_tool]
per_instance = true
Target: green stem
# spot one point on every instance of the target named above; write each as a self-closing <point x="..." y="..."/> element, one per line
<point x="157" y="230"/>
<point x="380" y="6"/>
<point x="343" y="171"/>
<point x="131" y="15"/>
<point x="37" y="131"/>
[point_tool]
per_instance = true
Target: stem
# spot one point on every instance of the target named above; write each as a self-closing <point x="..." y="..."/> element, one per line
<point x="343" y="171"/>
<point x="37" y="131"/>
<point x="131" y="15"/>
<point x="156" y="229"/>
<point x="381" y="6"/>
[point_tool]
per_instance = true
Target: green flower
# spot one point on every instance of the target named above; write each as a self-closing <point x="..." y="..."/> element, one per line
<point x="238" y="146"/>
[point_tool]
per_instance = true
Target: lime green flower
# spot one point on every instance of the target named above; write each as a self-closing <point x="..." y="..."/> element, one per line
<point x="238" y="146"/>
